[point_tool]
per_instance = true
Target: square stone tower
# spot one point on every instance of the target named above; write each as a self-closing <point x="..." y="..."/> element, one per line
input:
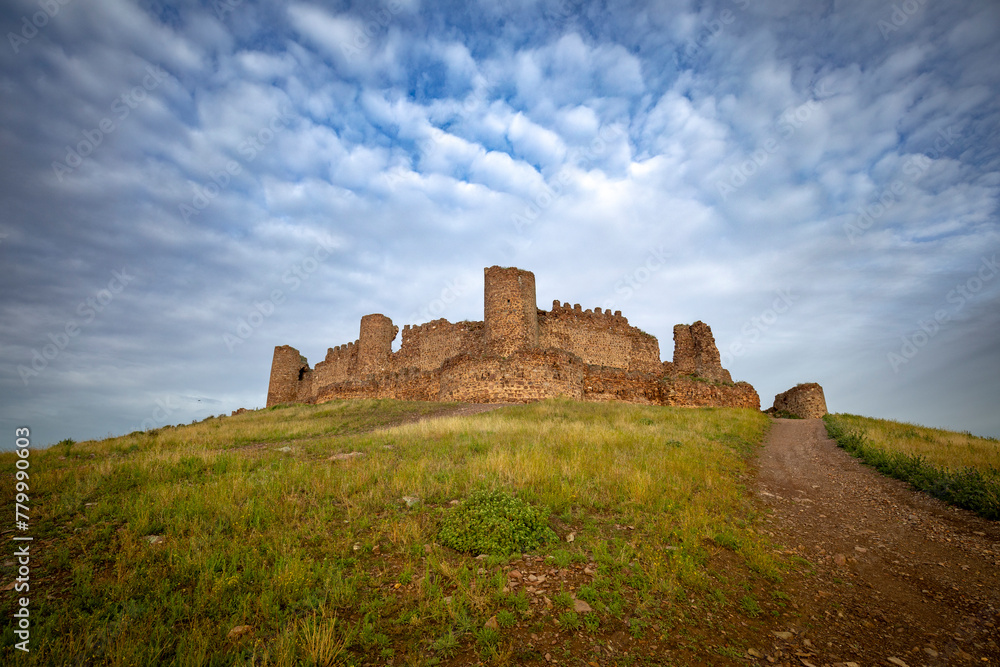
<point x="510" y="312"/>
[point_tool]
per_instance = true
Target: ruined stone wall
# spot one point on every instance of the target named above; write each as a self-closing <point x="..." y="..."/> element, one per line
<point x="802" y="400"/>
<point x="526" y="375"/>
<point x="289" y="371"/>
<point x="510" y="312"/>
<point x="340" y="364"/>
<point x="695" y="352"/>
<point x="598" y="337"/>
<point x="409" y="385"/>
<point x="689" y="392"/>
<point x="614" y="384"/>
<point x="426" y="346"/>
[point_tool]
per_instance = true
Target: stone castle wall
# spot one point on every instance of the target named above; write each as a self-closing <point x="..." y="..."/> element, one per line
<point x="517" y="353"/>
<point x="598" y="338"/>
<point x="695" y="352"/>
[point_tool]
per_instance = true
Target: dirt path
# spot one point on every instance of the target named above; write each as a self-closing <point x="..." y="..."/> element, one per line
<point x="898" y="574"/>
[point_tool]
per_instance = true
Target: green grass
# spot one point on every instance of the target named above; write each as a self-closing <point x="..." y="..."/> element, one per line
<point x="152" y="547"/>
<point x="959" y="468"/>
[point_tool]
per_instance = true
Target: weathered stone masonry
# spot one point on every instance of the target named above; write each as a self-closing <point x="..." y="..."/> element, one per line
<point x="518" y="353"/>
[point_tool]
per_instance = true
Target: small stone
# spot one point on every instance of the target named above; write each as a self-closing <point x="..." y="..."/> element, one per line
<point x="753" y="653"/>
<point x="782" y="635"/>
<point x="154" y="539"/>
<point x="861" y="550"/>
<point x="548" y="657"/>
<point x="840" y="560"/>
<point x="851" y="664"/>
<point x="410" y="500"/>
<point x="343" y="456"/>
<point x="285" y="449"/>
<point x="547" y="601"/>
<point x="532" y="577"/>
<point x="492" y="623"/>
<point x="453" y="502"/>
<point x="581" y="607"/>
<point x="239" y="631"/>
<point x="571" y="537"/>
<point x="931" y="652"/>
<point x="587" y="570"/>
<point x="357" y="546"/>
<point x="897" y="662"/>
<point x="514" y="574"/>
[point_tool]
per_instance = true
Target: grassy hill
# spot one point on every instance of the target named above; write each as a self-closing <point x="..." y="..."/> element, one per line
<point x="959" y="468"/>
<point x="313" y="535"/>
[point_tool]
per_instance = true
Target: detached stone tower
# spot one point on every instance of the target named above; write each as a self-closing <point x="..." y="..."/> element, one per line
<point x="510" y="311"/>
<point x="289" y="372"/>
<point x="803" y="400"/>
<point x="375" y="344"/>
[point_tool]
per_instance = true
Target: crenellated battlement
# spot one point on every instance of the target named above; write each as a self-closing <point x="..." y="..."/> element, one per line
<point x="518" y="352"/>
<point x="565" y="310"/>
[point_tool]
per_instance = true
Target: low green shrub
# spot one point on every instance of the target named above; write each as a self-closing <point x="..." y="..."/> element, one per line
<point x="968" y="488"/>
<point x="495" y="523"/>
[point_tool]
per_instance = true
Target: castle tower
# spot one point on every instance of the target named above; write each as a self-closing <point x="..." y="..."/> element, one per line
<point x="288" y="369"/>
<point x="695" y="352"/>
<point x="375" y="344"/>
<point x="510" y="311"/>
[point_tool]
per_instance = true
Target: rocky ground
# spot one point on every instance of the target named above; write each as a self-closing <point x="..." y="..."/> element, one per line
<point x="900" y="578"/>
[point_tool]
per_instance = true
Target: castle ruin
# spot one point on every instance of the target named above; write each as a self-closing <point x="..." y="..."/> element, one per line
<point x="518" y="353"/>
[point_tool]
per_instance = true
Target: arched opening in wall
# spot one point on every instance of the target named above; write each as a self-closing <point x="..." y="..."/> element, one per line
<point x="397" y="343"/>
<point x="302" y="374"/>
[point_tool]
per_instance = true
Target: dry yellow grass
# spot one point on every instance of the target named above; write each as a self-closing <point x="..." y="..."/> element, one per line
<point x="945" y="449"/>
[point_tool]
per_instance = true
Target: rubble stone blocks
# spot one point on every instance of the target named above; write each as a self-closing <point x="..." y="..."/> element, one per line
<point x="803" y="400"/>
<point x="518" y="353"/>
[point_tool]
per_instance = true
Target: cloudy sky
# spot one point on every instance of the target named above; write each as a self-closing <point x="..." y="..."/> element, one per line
<point x="186" y="185"/>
